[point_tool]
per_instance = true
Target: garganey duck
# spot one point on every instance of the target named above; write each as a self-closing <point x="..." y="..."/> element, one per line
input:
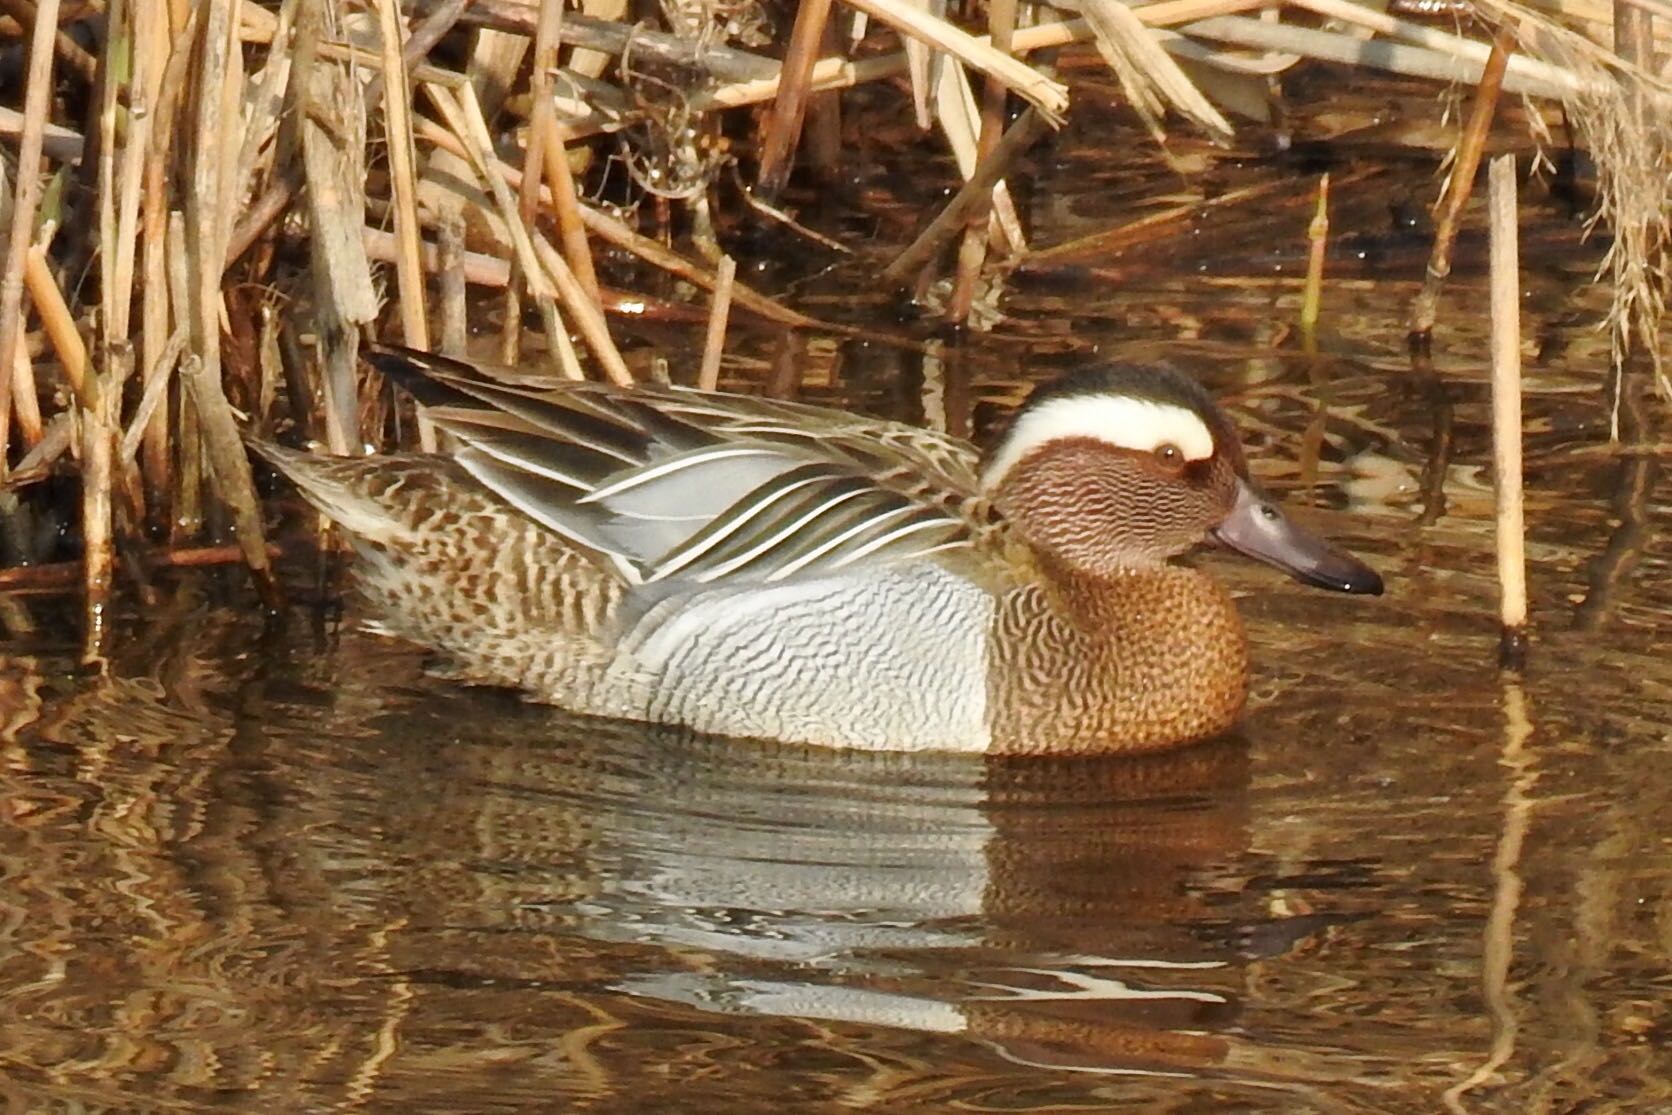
<point x="755" y="568"/>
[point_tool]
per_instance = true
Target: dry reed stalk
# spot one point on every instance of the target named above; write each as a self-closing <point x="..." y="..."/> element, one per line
<point x="783" y="128"/>
<point x="714" y="341"/>
<point x="571" y="232"/>
<point x="409" y="272"/>
<point x="1506" y="411"/>
<point x="464" y="116"/>
<point x="539" y="260"/>
<point x="1317" y="236"/>
<point x="1048" y="96"/>
<point x="1462" y="184"/>
<point x="210" y="208"/>
<point x="36" y="105"/>
<point x="541" y="109"/>
<point x="588" y="318"/>
<point x="150" y="401"/>
<point x="1018" y="138"/>
<point x="26" y="404"/>
<point x="426" y="33"/>
<point x="961" y="123"/>
<point x="63" y="576"/>
<point x="187" y="496"/>
<point x="58" y="143"/>
<point x="1150" y="79"/>
<point x="476" y="147"/>
<point x="608" y="39"/>
<point x="479" y="269"/>
<point x="449" y="263"/>
<point x="98" y="395"/>
<point x="924" y="67"/>
<point x="260" y="214"/>
<point x="98" y="543"/>
<point x="36" y="464"/>
<point x="831" y="74"/>
<point x="475" y="268"/>
<point x="1376" y="54"/>
<point x="329" y="115"/>
<point x="25" y="401"/>
<point x="128" y="189"/>
<point x="510" y="329"/>
<point x="614" y="232"/>
<point x="972" y="253"/>
<point x="258" y="151"/>
<point x="1563" y="82"/>
<point x="150" y="94"/>
<point x="58" y="322"/>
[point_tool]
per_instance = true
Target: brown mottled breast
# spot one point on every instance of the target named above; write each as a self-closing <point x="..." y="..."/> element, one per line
<point x="1136" y="662"/>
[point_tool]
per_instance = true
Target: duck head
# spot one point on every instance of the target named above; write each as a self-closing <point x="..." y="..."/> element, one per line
<point x="1120" y="467"/>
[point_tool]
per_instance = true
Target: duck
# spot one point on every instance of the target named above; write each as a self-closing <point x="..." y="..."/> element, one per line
<point x="779" y="571"/>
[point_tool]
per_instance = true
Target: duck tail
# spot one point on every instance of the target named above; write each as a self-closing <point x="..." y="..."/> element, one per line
<point x="344" y="489"/>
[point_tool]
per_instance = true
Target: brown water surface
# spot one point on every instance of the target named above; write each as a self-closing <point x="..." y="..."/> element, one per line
<point x="283" y="869"/>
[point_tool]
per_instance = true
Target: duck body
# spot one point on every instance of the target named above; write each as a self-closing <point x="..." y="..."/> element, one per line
<point x="759" y="569"/>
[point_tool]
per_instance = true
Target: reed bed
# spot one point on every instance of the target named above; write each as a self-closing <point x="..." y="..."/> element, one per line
<point x="211" y="204"/>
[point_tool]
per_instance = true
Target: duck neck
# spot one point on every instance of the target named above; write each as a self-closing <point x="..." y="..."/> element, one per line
<point x="1126" y="660"/>
<point x="1107" y="603"/>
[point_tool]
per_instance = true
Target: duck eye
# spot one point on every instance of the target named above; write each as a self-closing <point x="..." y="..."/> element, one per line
<point x="1168" y="454"/>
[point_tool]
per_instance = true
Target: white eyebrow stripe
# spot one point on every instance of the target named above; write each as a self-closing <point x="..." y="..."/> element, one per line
<point x="1139" y="424"/>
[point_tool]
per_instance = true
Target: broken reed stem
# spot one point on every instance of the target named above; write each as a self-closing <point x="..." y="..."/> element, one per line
<point x="58" y="321"/>
<point x="463" y="114"/>
<point x="25" y="400"/>
<point x="449" y="265"/>
<point x="98" y="443"/>
<point x="1048" y="96"/>
<point x="260" y="214"/>
<point x="62" y="576"/>
<point x="154" y="80"/>
<point x="588" y="318"/>
<point x="1020" y="136"/>
<point x="560" y="179"/>
<point x="715" y="340"/>
<point x="1469" y="147"/>
<point x="27" y="196"/>
<point x="135" y="144"/>
<point x="528" y="196"/>
<point x="841" y="73"/>
<point x="211" y="202"/>
<point x="409" y="271"/>
<point x="1506" y="411"/>
<point x="1317" y="235"/>
<point x="616" y="233"/>
<point x="547" y="138"/>
<point x="972" y="253"/>
<point x="783" y="129"/>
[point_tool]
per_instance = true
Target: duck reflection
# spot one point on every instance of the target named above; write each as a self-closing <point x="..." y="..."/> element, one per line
<point x="447" y="855"/>
<point x="1051" y="909"/>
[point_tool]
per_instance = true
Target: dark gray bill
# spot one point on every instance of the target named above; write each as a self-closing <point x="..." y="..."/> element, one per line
<point x="1258" y="528"/>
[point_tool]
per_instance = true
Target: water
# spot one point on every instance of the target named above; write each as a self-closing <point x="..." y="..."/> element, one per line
<point x="281" y="868"/>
